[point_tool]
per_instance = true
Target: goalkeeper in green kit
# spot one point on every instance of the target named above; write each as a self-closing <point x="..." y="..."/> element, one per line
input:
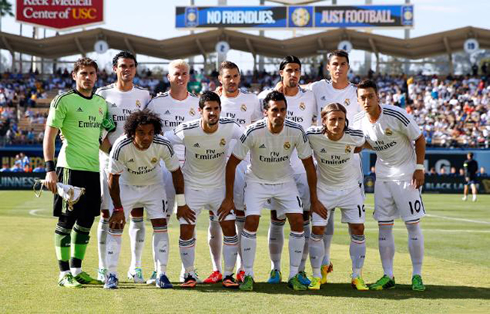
<point x="81" y="116"/>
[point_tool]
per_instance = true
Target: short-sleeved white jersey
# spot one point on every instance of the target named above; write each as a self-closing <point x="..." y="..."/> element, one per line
<point x="141" y="167"/>
<point x="391" y="137"/>
<point x="302" y="110"/>
<point x="326" y="94"/>
<point x="121" y="104"/>
<point x="173" y="112"/>
<point x="205" y="153"/>
<point x="336" y="167"/>
<point x="243" y="109"/>
<point x="270" y="154"/>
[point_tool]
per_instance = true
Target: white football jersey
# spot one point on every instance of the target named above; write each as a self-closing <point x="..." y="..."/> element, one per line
<point x="244" y="109"/>
<point x="173" y="112"/>
<point x="205" y="153"/>
<point x="270" y="154"/>
<point x="142" y="167"/>
<point x="302" y="110"/>
<point x="336" y="167"/>
<point x="326" y="94"/>
<point x="391" y="137"/>
<point x="120" y="105"/>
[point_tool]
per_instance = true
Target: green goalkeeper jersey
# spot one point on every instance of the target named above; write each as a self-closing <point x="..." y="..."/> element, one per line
<point x="81" y="121"/>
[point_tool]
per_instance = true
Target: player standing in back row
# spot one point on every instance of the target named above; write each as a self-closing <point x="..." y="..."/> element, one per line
<point x="123" y="97"/>
<point x="400" y="147"/>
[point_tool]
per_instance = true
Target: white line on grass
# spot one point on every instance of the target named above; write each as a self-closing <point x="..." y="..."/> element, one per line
<point x="459" y="219"/>
<point x="34" y="212"/>
<point x="450" y="218"/>
<point x="436" y="230"/>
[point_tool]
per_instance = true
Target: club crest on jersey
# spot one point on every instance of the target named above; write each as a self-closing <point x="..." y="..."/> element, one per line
<point x="138" y="103"/>
<point x="154" y="160"/>
<point x="347" y="102"/>
<point x="243" y="107"/>
<point x="388" y="131"/>
<point x="302" y="106"/>
<point x="287" y="145"/>
<point x="348" y="149"/>
<point x="222" y="142"/>
<point x="101" y="112"/>
<point x="192" y="112"/>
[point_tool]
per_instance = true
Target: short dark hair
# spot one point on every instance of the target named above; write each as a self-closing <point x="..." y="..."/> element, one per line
<point x="274" y="96"/>
<point x="124" y="55"/>
<point x="84" y="62"/>
<point x="289" y="59"/>
<point x="334" y="107"/>
<point x="338" y="53"/>
<point x="227" y="65"/>
<point x="142" y="117"/>
<point x="470" y="154"/>
<point x="208" y="96"/>
<point x="367" y="83"/>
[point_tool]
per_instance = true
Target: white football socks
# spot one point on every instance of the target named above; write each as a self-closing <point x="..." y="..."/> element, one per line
<point x="215" y="241"/>
<point x="416" y="247"/>
<point x="137" y="240"/>
<point x="386" y="248"/>
<point x="102" y="229"/>
<point x="276" y="243"/>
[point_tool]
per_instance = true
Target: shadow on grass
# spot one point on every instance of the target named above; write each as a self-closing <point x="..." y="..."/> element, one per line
<point x="345" y="290"/>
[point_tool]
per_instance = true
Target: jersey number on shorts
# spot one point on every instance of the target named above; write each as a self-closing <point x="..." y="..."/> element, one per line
<point x="361" y="210"/>
<point x="417" y="206"/>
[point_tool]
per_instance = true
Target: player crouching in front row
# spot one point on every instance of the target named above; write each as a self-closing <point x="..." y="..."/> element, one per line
<point x="333" y="144"/>
<point x="135" y="181"/>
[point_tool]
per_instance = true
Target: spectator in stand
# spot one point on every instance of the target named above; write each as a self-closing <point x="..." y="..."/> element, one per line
<point x="432" y="172"/>
<point x="482" y="173"/>
<point x="39" y="168"/>
<point x="17" y="168"/>
<point x="453" y="172"/>
<point x="442" y="171"/>
<point x="5" y="168"/>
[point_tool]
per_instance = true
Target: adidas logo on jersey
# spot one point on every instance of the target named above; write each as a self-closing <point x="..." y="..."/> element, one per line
<point x="197" y="145"/>
<point x="79" y="109"/>
<point x="323" y="98"/>
<point x="167" y="112"/>
<point x="131" y="160"/>
<point x="323" y="150"/>
<point x="262" y="146"/>
<point x="113" y="105"/>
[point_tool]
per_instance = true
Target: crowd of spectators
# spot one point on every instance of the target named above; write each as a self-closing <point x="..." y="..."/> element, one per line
<point x="452" y="111"/>
<point x="22" y="163"/>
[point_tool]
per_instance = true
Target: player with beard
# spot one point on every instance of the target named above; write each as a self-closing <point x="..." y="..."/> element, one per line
<point x="302" y="110"/>
<point x="123" y="97"/>
<point x="243" y="108"/>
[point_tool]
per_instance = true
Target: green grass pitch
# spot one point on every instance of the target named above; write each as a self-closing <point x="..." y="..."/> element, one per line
<point x="456" y="268"/>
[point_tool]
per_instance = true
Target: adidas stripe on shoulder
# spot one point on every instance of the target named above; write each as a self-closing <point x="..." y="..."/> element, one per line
<point x="396" y="114"/>
<point x="119" y="146"/>
<point x="57" y="99"/>
<point x="253" y="127"/>
<point x="159" y="140"/>
<point x="353" y="132"/>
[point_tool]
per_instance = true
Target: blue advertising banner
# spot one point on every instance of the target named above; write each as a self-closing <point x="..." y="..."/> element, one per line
<point x="364" y="16"/>
<point x="228" y="16"/>
<point x="266" y="17"/>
